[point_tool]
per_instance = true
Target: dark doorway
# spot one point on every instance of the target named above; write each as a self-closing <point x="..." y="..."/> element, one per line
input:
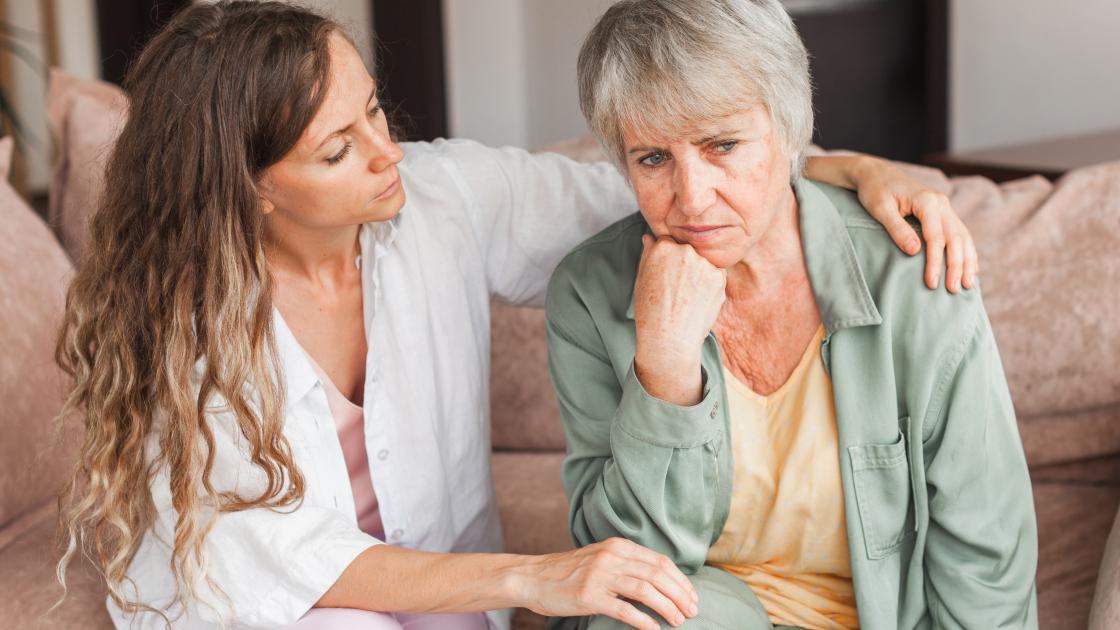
<point x="410" y="60"/>
<point x="124" y="26"/>
<point x="879" y="74"/>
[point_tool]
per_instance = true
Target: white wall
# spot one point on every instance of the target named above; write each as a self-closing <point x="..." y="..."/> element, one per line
<point x="1025" y="70"/>
<point x="1021" y="70"/>
<point x="511" y="68"/>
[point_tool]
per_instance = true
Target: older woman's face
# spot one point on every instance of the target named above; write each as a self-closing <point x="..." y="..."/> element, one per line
<point x="718" y="190"/>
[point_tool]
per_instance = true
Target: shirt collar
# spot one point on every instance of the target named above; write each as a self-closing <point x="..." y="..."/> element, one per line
<point x="295" y="367"/>
<point x="298" y="374"/>
<point x="838" y="282"/>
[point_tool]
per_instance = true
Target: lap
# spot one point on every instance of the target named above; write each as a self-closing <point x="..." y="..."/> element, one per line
<point x="726" y="603"/>
<point x="352" y="619"/>
<point x="340" y="618"/>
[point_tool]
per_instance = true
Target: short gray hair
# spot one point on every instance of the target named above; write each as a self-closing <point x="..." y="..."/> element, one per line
<point x="667" y="66"/>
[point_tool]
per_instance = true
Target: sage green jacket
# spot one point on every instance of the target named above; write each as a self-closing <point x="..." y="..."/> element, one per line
<point x="940" y="516"/>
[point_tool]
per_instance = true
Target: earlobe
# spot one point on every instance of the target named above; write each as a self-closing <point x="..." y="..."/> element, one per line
<point x="262" y="189"/>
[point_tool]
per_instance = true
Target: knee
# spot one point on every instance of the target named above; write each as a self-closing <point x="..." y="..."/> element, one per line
<point x="726" y="603"/>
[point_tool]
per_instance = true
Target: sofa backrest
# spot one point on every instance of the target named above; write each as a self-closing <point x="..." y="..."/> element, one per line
<point x="1048" y="256"/>
<point x="34" y="273"/>
<point x="85" y="117"/>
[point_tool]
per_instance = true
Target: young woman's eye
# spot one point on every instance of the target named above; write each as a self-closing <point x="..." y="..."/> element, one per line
<point x="375" y="111"/>
<point x="726" y="146"/>
<point x="653" y="159"/>
<point x="337" y="157"/>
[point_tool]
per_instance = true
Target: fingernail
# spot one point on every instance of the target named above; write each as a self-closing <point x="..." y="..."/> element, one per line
<point x="693" y="610"/>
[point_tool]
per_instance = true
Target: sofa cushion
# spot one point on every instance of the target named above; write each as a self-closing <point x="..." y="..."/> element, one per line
<point x="531" y="502"/>
<point x="31" y="589"/>
<point x="85" y="118"/>
<point x="1074" y="519"/>
<point x="523" y="410"/>
<point x="34" y="272"/>
<point x="533" y="509"/>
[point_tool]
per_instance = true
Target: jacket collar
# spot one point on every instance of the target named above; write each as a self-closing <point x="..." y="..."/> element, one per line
<point x="839" y="285"/>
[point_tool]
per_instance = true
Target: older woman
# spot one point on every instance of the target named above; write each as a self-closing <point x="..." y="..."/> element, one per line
<point x="752" y="379"/>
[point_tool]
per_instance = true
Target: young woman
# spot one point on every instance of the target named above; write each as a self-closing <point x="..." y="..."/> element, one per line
<point x="282" y="364"/>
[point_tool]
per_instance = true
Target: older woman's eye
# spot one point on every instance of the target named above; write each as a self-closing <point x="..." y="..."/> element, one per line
<point x="726" y="146"/>
<point x="653" y="159"/>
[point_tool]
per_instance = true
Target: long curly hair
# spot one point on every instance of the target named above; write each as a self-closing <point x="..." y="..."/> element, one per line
<point x="170" y="311"/>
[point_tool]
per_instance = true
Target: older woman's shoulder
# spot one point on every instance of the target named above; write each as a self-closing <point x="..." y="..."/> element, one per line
<point x="896" y="280"/>
<point x="601" y="270"/>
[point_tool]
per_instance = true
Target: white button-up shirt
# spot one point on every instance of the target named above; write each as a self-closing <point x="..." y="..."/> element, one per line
<point x="478" y="223"/>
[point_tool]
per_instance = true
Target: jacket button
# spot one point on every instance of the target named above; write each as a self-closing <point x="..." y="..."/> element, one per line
<point x="715" y="410"/>
<point x="383" y="454"/>
<point x="397" y="534"/>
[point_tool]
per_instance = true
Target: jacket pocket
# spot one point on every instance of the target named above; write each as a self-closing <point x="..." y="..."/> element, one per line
<point x="881" y="477"/>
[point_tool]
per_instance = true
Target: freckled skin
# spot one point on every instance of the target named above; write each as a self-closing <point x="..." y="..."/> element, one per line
<point x="770" y="314"/>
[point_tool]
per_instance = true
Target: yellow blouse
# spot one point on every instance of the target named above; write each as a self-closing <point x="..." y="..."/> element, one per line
<point x="785" y="535"/>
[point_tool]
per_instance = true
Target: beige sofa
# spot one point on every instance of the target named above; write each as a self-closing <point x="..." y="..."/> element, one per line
<point x="1050" y="273"/>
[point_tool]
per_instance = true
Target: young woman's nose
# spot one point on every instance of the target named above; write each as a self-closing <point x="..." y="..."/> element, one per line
<point x="695" y="186"/>
<point x="385" y="152"/>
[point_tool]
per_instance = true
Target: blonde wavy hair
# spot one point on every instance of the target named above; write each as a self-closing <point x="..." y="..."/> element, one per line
<point x="171" y="310"/>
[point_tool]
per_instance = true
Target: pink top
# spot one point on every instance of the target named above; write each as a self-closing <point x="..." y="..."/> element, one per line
<point x="350" y="423"/>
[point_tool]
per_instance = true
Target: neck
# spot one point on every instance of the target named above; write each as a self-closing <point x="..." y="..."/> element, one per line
<point x="775" y="260"/>
<point x="323" y="256"/>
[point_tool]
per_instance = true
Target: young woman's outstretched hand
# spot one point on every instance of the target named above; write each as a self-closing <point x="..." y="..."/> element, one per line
<point x="595" y="579"/>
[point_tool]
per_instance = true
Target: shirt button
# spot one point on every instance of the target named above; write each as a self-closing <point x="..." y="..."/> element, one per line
<point x="397" y="533"/>
<point x="382" y="454"/>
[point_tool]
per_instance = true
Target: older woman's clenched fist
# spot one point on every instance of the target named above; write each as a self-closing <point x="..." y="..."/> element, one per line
<point x="677" y="297"/>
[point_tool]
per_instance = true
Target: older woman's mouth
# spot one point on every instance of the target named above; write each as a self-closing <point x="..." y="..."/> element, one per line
<point x="702" y="233"/>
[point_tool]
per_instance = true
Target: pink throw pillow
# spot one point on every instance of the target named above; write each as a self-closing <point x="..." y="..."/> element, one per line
<point x="34" y="274"/>
<point x="85" y="117"/>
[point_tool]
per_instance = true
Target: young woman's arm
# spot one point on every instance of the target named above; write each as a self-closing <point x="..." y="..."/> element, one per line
<point x="890" y="196"/>
<point x="587" y="581"/>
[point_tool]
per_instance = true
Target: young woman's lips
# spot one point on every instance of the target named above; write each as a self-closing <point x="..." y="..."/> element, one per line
<point x="390" y="190"/>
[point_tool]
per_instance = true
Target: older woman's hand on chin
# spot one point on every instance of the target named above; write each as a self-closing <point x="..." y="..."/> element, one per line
<point x="890" y="196"/>
<point x="677" y="297"/>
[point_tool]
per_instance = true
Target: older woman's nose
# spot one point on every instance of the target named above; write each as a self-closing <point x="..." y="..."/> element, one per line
<point x="695" y="189"/>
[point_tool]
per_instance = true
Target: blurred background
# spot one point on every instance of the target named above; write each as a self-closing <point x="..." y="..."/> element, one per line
<point x="932" y="81"/>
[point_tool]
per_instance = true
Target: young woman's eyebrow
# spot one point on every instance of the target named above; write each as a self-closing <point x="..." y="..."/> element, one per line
<point x="372" y="93"/>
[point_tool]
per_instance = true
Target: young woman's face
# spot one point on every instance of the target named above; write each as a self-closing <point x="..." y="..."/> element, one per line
<point x="343" y="169"/>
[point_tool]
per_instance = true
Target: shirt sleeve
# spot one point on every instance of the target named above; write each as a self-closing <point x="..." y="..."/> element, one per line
<point x="261" y="568"/>
<point x="529" y="210"/>
<point x="982" y="546"/>
<point x="637" y="467"/>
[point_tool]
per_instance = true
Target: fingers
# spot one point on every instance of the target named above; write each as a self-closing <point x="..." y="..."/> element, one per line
<point x="626" y="613"/>
<point x="935" y="253"/>
<point x="888" y="213"/>
<point x="955" y="270"/>
<point x="643" y="591"/>
<point x="660" y="569"/>
<point x="931" y="214"/>
<point x="971" y="260"/>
